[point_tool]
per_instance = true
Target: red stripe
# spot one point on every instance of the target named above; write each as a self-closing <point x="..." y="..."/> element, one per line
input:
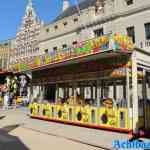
<point x="121" y="130"/>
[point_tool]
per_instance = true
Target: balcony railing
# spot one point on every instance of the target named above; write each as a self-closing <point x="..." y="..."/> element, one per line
<point x="144" y="44"/>
<point x="147" y="43"/>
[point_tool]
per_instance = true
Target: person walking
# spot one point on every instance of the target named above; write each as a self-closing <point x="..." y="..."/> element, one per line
<point x="11" y="97"/>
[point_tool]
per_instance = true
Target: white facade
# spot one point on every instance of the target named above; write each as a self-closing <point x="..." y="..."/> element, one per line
<point x="115" y="17"/>
<point x="26" y="43"/>
<point x="6" y="48"/>
<point x="89" y="19"/>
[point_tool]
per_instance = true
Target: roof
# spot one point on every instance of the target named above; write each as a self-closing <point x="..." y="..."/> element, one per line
<point x="73" y="9"/>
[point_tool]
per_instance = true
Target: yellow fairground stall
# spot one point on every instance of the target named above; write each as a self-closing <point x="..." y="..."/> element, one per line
<point x="100" y="83"/>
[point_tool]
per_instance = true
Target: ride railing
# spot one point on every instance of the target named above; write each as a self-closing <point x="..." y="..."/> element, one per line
<point x="107" y="117"/>
<point x="80" y="49"/>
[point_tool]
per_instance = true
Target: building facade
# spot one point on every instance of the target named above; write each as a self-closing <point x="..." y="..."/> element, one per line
<point x="88" y="19"/>
<point x="92" y="18"/>
<point x="5" y="51"/>
<point x="26" y="43"/>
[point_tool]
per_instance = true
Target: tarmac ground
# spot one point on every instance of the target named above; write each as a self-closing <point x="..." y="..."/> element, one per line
<point x="19" y="132"/>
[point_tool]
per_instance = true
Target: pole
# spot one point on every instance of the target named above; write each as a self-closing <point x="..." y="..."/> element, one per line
<point x="144" y="91"/>
<point x="98" y="96"/>
<point x="56" y="94"/>
<point x="128" y="94"/>
<point x="134" y="94"/>
<point x="74" y="92"/>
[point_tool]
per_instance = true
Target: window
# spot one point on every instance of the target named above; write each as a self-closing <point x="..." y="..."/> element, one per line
<point x="46" y="51"/>
<point x="99" y="6"/>
<point x="131" y="33"/>
<point x="74" y="42"/>
<point x="75" y="19"/>
<point x="98" y="32"/>
<point x="6" y="44"/>
<point x="129" y="2"/>
<point x="56" y="27"/>
<point x="55" y="48"/>
<point x="47" y="30"/>
<point x="147" y="31"/>
<point x="65" y="23"/>
<point x="78" y="31"/>
<point x="37" y="49"/>
<point x="64" y="46"/>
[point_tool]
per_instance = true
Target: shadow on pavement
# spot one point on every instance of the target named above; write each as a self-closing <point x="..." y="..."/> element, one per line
<point x="10" y="142"/>
<point x="2" y="117"/>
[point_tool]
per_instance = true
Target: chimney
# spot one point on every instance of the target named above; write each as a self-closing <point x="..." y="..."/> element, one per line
<point x="65" y="4"/>
<point x="99" y="5"/>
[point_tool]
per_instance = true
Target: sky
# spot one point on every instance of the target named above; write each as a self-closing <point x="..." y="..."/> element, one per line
<point x="12" y="11"/>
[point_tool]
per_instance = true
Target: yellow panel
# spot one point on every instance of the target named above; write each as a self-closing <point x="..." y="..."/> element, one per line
<point x="93" y="115"/>
<point x="1" y="99"/>
<point x="53" y="111"/>
<point x="19" y="100"/>
<point x="71" y="113"/>
<point x="48" y="110"/>
<point x="108" y="117"/>
<point x="82" y="114"/>
<point x="34" y="108"/>
<point x="59" y="112"/>
<point x="62" y="112"/>
<point x="141" y="122"/>
<point x="148" y="116"/>
<point x="65" y="112"/>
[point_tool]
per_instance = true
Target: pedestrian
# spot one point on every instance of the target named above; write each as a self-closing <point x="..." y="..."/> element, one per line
<point x="0" y="96"/>
<point x="11" y="97"/>
<point x="6" y="100"/>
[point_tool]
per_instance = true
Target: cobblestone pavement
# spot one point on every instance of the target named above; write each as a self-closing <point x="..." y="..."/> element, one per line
<point x="17" y="127"/>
